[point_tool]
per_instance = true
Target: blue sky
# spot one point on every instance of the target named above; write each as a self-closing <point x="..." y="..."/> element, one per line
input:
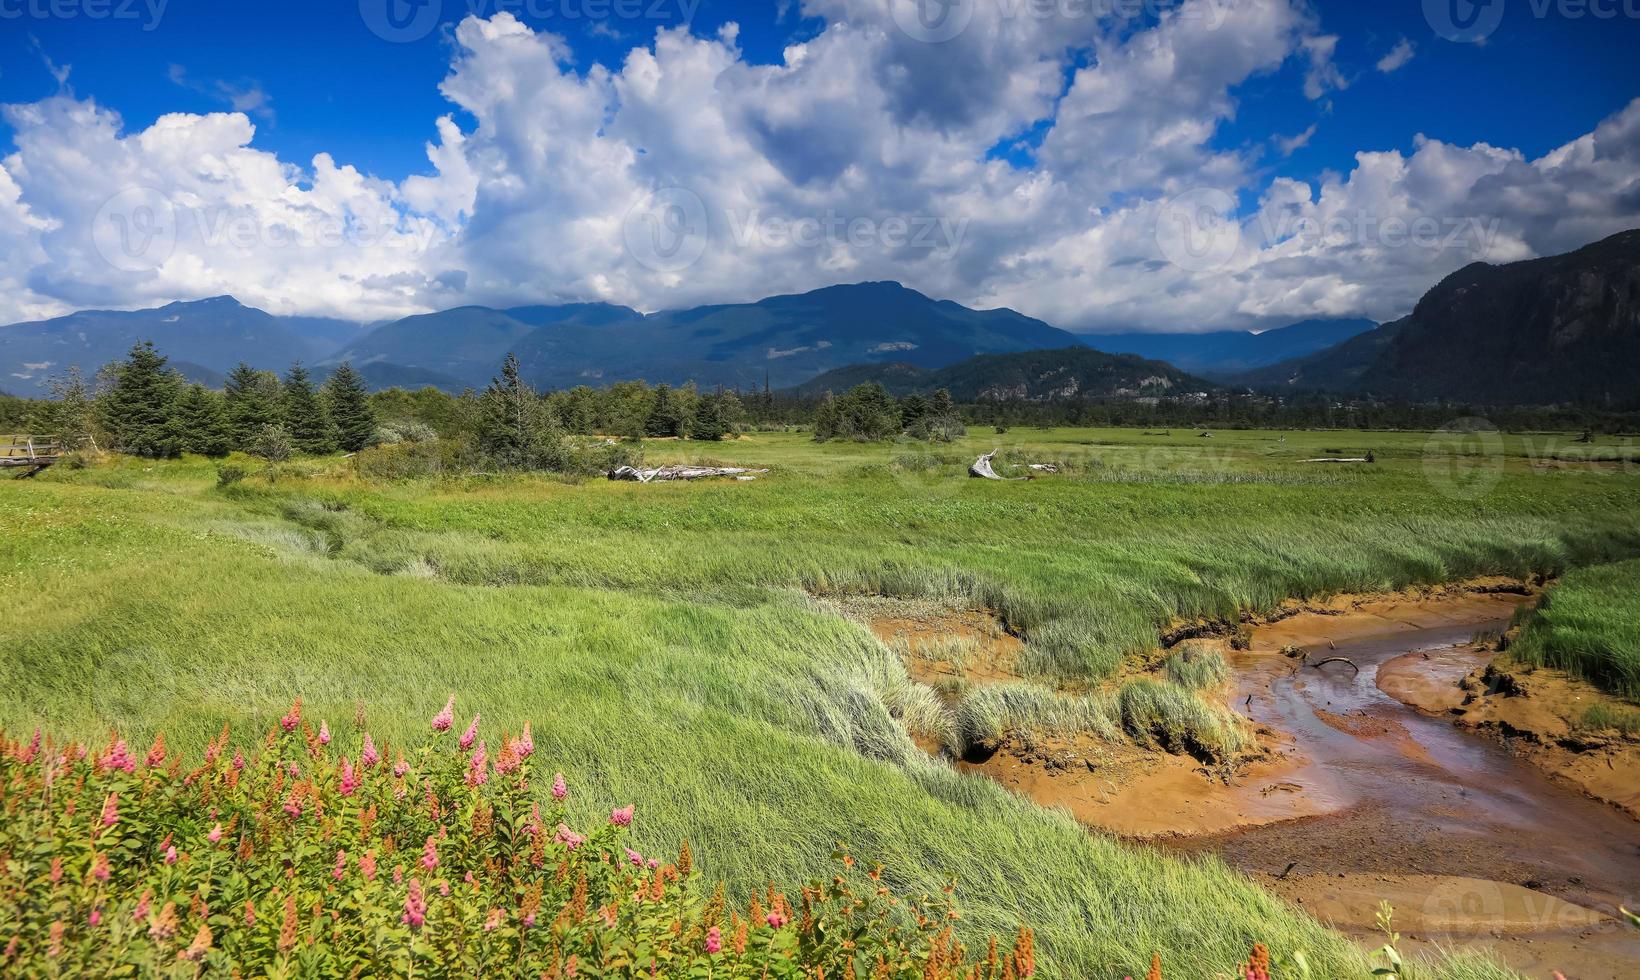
<point x="335" y="87"/>
<point x="1052" y="156"/>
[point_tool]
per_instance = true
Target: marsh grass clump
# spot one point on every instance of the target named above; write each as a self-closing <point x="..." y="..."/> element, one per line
<point x="960" y="652"/>
<point x="1589" y="626"/>
<point x="1170" y="717"/>
<point x="1196" y="669"/>
<point x="1607" y="717"/>
<point x="921" y="710"/>
<point x="989" y="713"/>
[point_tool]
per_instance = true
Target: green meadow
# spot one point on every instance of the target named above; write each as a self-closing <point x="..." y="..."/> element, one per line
<point x="673" y="646"/>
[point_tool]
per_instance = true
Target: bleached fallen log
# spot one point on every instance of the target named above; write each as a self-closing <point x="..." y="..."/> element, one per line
<point x="1044" y="467"/>
<point x="983" y="470"/>
<point x="1334" y="459"/>
<point x="667" y="473"/>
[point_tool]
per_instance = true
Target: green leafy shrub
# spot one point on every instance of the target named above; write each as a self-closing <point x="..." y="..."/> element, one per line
<point x="311" y="859"/>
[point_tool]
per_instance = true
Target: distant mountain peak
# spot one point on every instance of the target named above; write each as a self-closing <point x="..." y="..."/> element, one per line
<point x="1561" y="329"/>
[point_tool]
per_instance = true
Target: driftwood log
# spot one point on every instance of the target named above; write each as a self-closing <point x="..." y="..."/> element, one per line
<point x="1334" y="459"/>
<point x="982" y="469"/>
<point x="1337" y="660"/>
<point x="666" y="473"/>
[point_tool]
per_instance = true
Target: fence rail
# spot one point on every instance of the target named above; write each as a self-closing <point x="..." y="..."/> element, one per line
<point x="33" y="452"/>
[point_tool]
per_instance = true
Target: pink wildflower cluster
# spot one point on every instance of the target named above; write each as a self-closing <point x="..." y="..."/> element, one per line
<point x="444" y="719"/>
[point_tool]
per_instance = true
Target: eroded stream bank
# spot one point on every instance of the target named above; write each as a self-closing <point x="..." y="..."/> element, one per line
<point x="1471" y="843"/>
<point x="1357" y="796"/>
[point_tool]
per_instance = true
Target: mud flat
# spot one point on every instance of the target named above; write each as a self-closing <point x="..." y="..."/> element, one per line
<point x="1470" y="842"/>
<point x="1533" y="710"/>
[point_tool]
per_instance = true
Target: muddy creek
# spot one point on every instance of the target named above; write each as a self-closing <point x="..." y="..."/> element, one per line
<point x="1471" y="844"/>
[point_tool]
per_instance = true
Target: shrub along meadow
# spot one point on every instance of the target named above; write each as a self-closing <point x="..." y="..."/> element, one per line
<point x="668" y="643"/>
<point x="439" y="861"/>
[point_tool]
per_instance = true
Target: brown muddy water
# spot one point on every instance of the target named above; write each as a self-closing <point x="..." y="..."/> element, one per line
<point x="1473" y="846"/>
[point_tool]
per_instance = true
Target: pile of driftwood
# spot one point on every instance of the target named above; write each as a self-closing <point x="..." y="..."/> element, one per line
<point x="666" y="473"/>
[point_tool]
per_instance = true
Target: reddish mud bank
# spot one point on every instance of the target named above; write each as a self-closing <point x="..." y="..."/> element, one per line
<point x="1534" y="711"/>
<point x="1473" y="845"/>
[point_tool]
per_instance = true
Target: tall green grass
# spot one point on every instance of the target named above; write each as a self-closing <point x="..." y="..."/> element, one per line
<point x="1589" y="625"/>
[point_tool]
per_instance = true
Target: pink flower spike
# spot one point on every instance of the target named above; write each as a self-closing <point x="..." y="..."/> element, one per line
<point x="634" y="857"/>
<point x="294" y="718"/>
<point x="96" y="918"/>
<point x="622" y="816"/>
<point x="526" y="743"/>
<point x="494" y="921"/>
<point x="714" y="940"/>
<point x="654" y="863"/>
<point x="239" y="761"/>
<point x="368" y="757"/>
<point x="119" y="757"/>
<point x="367" y="865"/>
<point x="429" y="853"/>
<point x="111" y="810"/>
<point x="478" y="770"/>
<point x="776" y="918"/>
<point x="215" y="836"/>
<point x="324" y="733"/>
<point x="350" y="782"/>
<point x="171" y="854"/>
<point x="444" y="719"/>
<point x="340" y="871"/>
<point x="560" y="789"/>
<point x="470" y="736"/>
<point x="100" y="869"/>
<point x="415" y="907"/>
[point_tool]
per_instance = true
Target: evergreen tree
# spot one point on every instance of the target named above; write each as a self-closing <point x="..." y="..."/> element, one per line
<point x="305" y="417"/>
<point x="515" y="429"/>
<point x="138" y="409"/>
<point x="202" y="423"/>
<point x="251" y="402"/>
<point x="709" y="425"/>
<point x="665" y="419"/>
<point x="348" y="401"/>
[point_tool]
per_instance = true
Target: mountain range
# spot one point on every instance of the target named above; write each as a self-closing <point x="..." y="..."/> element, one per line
<point x="1038" y="375"/>
<point x="1558" y="330"/>
<point x="1225" y="353"/>
<point x="204" y="339"/>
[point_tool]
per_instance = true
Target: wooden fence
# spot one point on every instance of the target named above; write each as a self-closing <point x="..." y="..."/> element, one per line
<point x="29" y="453"/>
